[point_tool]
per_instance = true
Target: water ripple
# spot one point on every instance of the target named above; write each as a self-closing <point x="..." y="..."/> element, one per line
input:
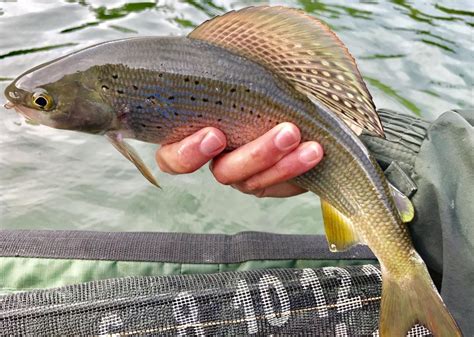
<point x="415" y="56"/>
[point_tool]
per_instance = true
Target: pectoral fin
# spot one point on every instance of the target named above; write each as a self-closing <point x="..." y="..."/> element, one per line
<point x="129" y="153"/>
<point x="403" y="204"/>
<point x="339" y="229"/>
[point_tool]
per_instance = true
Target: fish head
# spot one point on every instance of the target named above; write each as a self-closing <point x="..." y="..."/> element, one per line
<point x="62" y="98"/>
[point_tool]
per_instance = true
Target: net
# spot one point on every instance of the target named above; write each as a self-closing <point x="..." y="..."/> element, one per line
<point x="329" y="301"/>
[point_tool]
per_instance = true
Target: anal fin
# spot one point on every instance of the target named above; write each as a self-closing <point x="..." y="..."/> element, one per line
<point x="339" y="229"/>
<point x="129" y="153"/>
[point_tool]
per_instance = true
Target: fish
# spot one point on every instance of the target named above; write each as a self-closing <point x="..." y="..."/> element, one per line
<point x="245" y="72"/>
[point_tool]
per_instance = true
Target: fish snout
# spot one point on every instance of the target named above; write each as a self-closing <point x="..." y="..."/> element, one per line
<point x="13" y="95"/>
<point x="17" y="99"/>
<point x="9" y="105"/>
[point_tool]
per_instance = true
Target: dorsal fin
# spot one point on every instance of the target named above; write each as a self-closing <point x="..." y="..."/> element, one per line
<point x="302" y="50"/>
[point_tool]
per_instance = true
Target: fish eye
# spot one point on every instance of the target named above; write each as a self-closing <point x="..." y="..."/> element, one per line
<point x="42" y="100"/>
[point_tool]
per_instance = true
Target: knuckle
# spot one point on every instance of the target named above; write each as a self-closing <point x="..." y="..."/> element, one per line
<point x="251" y="189"/>
<point x="183" y="168"/>
<point x="256" y="153"/>
<point x="221" y="177"/>
<point x="263" y="155"/>
<point x="250" y="186"/>
<point x="284" y="170"/>
<point x="260" y="193"/>
<point x="174" y="164"/>
<point x="182" y="165"/>
<point x="162" y="163"/>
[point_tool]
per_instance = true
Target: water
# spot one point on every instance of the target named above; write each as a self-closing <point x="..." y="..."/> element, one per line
<point x="417" y="58"/>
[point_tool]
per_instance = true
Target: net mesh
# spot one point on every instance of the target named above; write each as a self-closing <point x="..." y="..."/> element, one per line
<point x="331" y="301"/>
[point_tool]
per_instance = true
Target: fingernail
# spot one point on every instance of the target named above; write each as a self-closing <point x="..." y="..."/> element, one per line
<point x="286" y="138"/>
<point x="211" y="144"/>
<point x="310" y="154"/>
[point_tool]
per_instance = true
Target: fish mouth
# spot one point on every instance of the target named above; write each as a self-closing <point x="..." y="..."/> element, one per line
<point x="31" y="116"/>
<point x="9" y="105"/>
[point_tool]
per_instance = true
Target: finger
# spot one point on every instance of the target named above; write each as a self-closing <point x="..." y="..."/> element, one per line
<point x="282" y="190"/>
<point x="301" y="160"/>
<point x="192" y="152"/>
<point x="257" y="155"/>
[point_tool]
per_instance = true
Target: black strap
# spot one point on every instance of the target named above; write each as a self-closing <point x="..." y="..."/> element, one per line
<point x="171" y="247"/>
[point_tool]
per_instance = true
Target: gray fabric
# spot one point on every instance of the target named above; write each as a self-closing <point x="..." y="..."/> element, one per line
<point x="403" y="138"/>
<point x="400" y="179"/>
<point x="330" y="301"/>
<point x="171" y="247"/>
<point x="439" y="159"/>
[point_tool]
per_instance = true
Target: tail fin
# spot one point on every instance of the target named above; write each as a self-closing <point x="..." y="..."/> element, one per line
<point x="414" y="299"/>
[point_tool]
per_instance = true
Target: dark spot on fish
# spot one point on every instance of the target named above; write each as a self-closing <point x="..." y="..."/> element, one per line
<point x="258" y="116"/>
<point x="196" y="82"/>
<point x="193" y="98"/>
<point x="120" y="91"/>
<point x="191" y="126"/>
<point x="241" y="108"/>
<point x="114" y="76"/>
<point x="151" y="99"/>
<point x="139" y="107"/>
<point x="234" y="106"/>
<point x="232" y="90"/>
<point x="171" y="98"/>
<point x="176" y="114"/>
<point x="220" y="119"/>
<point x="135" y="87"/>
<point x="160" y="75"/>
<point x="186" y="79"/>
<point x="143" y="125"/>
<point x="205" y="100"/>
<point x="199" y="115"/>
<point x="251" y="112"/>
<point x="158" y="127"/>
<point x="104" y="88"/>
<point x="247" y="90"/>
<point x="219" y="102"/>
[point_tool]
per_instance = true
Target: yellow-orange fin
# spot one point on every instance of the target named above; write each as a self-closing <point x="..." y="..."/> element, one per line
<point x="128" y="152"/>
<point x="303" y="51"/>
<point x="340" y="232"/>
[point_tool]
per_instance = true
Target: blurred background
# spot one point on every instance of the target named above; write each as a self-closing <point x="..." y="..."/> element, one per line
<point x="416" y="57"/>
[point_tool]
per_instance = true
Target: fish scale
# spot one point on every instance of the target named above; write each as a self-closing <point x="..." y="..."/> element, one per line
<point x="245" y="78"/>
<point x="272" y="100"/>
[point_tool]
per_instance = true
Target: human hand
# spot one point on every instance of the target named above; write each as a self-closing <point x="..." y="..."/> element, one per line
<point x="261" y="167"/>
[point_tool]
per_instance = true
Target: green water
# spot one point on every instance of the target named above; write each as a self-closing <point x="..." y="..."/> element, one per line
<point x="417" y="58"/>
